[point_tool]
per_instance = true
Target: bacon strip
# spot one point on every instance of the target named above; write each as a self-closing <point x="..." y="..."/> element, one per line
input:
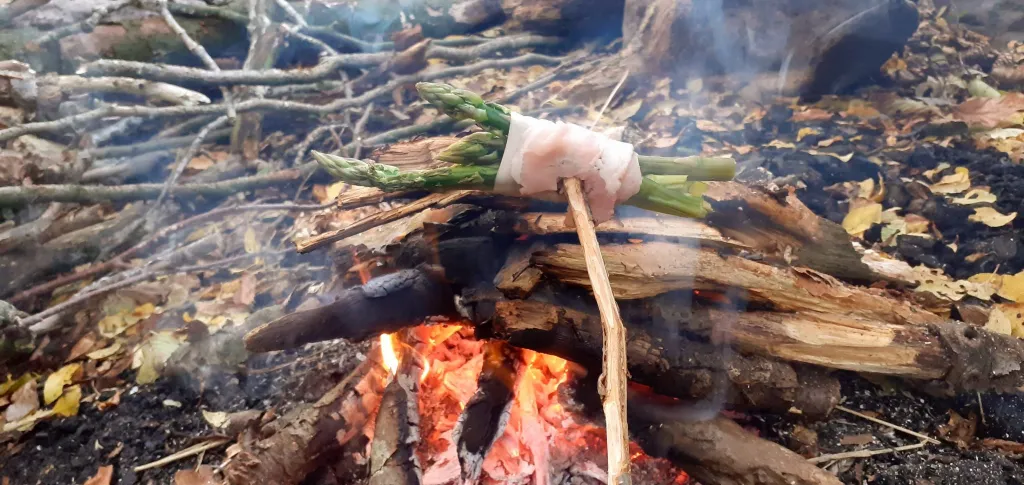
<point x="539" y="153"/>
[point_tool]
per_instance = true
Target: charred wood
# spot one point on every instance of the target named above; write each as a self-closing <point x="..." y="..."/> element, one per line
<point x="383" y="304"/>
<point x="393" y="458"/>
<point x="487" y="413"/>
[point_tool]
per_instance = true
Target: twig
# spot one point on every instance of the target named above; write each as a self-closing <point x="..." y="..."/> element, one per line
<point x="151" y="90"/>
<point x="440" y="199"/>
<point x="28" y="194"/>
<point x="159" y="236"/>
<point x="85" y="25"/>
<point x="865" y="453"/>
<point x="158" y="142"/>
<point x="197" y="49"/>
<point x="913" y="433"/>
<point x="326" y="69"/>
<point x="357" y="131"/>
<point x="184" y="160"/>
<point x="187" y="452"/>
<point x="288" y="9"/>
<point x="613" y="380"/>
<point x="312" y="138"/>
<point x="270" y="104"/>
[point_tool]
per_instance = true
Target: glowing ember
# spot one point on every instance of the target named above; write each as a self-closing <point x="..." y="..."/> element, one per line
<point x="387" y="350"/>
<point x="543" y="441"/>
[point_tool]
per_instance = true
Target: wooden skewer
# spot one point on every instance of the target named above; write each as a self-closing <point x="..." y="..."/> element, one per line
<point x="613" y="376"/>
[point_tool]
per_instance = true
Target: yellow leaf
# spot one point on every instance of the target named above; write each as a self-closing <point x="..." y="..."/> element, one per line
<point x="104" y="352"/>
<point x="67" y="405"/>
<point x="975" y="196"/>
<point x="930" y="174"/>
<point x="861" y="218"/>
<point x="251" y="244"/>
<point x="991" y="217"/>
<point x="954" y="183"/>
<point x="781" y="144"/>
<point x="998" y="323"/>
<point x="153" y="354"/>
<point x="1014" y="312"/>
<point x="805" y="132"/>
<point x="56" y="381"/>
<point x="217" y="419"/>
<point x="333" y="191"/>
<point x="12" y="385"/>
<point x="1012" y="287"/>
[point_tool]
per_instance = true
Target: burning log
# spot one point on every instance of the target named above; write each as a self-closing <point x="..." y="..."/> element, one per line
<point x="382" y="305"/>
<point x="484" y="419"/>
<point x="680" y="368"/>
<point x="392" y="452"/>
<point x="720" y="451"/>
<point x="290" y="447"/>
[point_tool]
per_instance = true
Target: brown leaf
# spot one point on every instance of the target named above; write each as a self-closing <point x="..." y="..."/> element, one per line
<point x="24" y="401"/>
<point x="857" y="439"/>
<point x="202" y="476"/>
<point x="82" y="347"/>
<point x="959" y="430"/>
<point x="246" y="293"/>
<point x="102" y="476"/>
<point x="988" y="112"/>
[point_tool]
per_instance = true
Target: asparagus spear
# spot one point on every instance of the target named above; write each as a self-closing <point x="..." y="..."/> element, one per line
<point x="462" y="104"/>
<point x="652" y="195"/>
<point x="482" y="148"/>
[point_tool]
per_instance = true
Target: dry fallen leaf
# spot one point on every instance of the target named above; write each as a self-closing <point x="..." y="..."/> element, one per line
<point x="201" y="476"/>
<point x="105" y="352"/>
<point x="988" y="112"/>
<point x="217" y="419"/>
<point x="991" y="217"/>
<point x="954" y="183"/>
<point x="83" y="346"/>
<point x="805" y="132"/>
<point x="152" y="355"/>
<point x="1011" y="287"/>
<point x="102" y="476"/>
<point x="998" y="323"/>
<point x="24" y="401"/>
<point x="56" y="381"/>
<point x="975" y="196"/>
<point x="68" y="403"/>
<point x="251" y="244"/>
<point x="861" y="218"/>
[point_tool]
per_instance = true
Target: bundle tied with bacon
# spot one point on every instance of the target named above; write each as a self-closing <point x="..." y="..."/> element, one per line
<point x="524" y="156"/>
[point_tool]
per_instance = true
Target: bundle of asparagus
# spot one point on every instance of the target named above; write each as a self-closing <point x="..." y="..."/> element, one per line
<point x="669" y="185"/>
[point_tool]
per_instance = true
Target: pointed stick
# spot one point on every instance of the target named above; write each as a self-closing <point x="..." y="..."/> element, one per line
<point x="613" y="392"/>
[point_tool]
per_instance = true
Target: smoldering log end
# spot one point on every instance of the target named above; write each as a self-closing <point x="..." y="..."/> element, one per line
<point x="382" y="305"/>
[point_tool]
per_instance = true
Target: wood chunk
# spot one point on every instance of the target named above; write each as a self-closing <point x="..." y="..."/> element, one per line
<point x="393" y="458"/>
<point x="547" y="223"/>
<point x="654" y="268"/>
<point x="518" y="277"/>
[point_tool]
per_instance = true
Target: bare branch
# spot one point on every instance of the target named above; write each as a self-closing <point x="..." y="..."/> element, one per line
<point x="85" y="25"/>
<point x="187" y="157"/>
<point x="28" y="194"/>
<point x="197" y="49"/>
<point x="327" y="68"/>
<point x="269" y="104"/>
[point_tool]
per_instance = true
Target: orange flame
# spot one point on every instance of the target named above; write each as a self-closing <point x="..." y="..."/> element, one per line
<point x="387" y="350"/>
<point x="426" y="370"/>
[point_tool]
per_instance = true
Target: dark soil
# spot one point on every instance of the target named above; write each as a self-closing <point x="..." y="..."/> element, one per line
<point x="147" y="425"/>
<point x="945" y="464"/>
